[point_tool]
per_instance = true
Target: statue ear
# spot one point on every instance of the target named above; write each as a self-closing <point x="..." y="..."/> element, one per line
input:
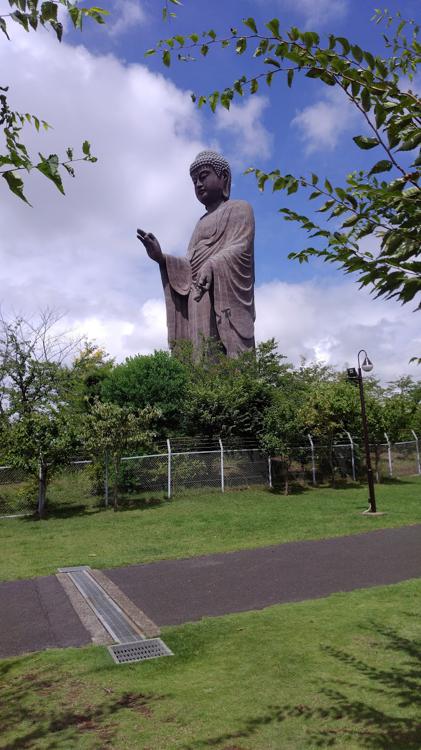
<point x="226" y="190"/>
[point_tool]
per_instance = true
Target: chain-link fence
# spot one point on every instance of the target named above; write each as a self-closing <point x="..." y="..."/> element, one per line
<point x="194" y="464"/>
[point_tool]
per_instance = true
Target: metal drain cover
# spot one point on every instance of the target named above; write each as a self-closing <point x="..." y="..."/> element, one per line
<point x="125" y="653"/>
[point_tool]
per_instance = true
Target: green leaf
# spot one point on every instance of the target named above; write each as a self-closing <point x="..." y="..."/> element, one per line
<point x="254" y="86"/>
<point x="213" y="100"/>
<point x="357" y="52"/>
<point x="69" y="169"/>
<point x="166" y="58"/>
<point x="345" y="44"/>
<point x="21" y="19"/>
<point x="241" y="45"/>
<point x="290" y="77"/>
<point x="355" y="88"/>
<point x="366" y="100"/>
<point x="326" y="206"/>
<point x="273" y="27"/>
<point x="86" y="148"/>
<point x="382" y="166"/>
<point x="412" y="142"/>
<point x="58" y="28"/>
<point x="369" y="59"/>
<point x="3" y="27"/>
<point x="313" y="73"/>
<point x="49" y="168"/>
<point x="251" y="23"/>
<point x="365" y="143"/>
<point x="77" y="17"/>
<point x="48" y="12"/>
<point x="15" y="184"/>
<point x="310" y="38"/>
<point x="350" y="222"/>
<point x="381" y="68"/>
<point x="380" y="114"/>
<point x="272" y="61"/>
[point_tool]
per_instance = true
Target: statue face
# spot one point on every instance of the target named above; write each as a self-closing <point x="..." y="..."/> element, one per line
<point x="209" y="188"/>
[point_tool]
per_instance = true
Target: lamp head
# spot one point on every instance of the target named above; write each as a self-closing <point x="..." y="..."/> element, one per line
<point x="367" y="364"/>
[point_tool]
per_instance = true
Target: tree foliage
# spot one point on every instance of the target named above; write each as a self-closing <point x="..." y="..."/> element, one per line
<point x="111" y="429"/>
<point x="39" y="426"/>
<point x="228" y="397"/>
<point x="381" y="204"/>
<point x="16" y="159"/>
<point x="157" y="380"/>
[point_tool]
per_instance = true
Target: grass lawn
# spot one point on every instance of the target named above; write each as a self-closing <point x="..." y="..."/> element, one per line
<point x="339" y="672"/>
<point x="196" y="524"/>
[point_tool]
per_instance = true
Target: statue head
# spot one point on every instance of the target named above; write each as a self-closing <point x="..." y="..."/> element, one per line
<point x="211" y="175"/>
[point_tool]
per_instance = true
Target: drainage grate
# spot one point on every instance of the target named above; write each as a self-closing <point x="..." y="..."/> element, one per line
<point x="124" y="653"/>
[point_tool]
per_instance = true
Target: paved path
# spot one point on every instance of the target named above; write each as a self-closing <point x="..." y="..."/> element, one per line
<point x="176" y="591"/>
<point x="36" y="614"/>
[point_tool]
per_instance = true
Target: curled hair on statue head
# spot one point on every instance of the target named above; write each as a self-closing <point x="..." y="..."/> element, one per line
<point x="219" y="165"/>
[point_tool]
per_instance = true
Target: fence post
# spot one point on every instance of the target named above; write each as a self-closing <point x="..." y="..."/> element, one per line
<point x="351" y="442"/>
<point x="169" y="469"/>
<point x="106" y="482"/>
<point x="389" y="455"/>
<point x="417" y="448"/>
<point x="270" y="472"/>
<point x="222" y="466"/>
<point x="313" y="465"/>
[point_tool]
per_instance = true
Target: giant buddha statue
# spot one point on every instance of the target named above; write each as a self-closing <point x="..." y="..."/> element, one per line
<point x="209" y="293"/>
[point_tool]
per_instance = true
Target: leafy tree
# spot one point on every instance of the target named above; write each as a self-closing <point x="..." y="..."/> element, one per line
<point x="282" y="430"/>
<point x="36" y="394"/>
<point x="228" y="397"/>
<point x="111" y="429"/>
<point x="91" y="367"/>
<point x="381" y="204"/>
<point x="402" y="408"/>
<point x="158" y="380"/>
<point x="16" y="159"/>
<point x="42" y="442"/>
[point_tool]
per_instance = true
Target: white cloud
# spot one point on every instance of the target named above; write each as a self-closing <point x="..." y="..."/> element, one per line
<point x="332" y="323"/>
<point x="321" y="125"/>
<point x="126" y="14"/>
<point x="79" y="254"/>
<point x="317" y="12"/>
<point x="243" y="121"/>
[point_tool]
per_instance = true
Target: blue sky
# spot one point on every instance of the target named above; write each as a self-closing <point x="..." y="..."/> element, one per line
<point x="79" y="254"/>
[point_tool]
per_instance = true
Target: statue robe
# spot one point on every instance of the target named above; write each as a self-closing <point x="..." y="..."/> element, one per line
<point x="224" y="242"/>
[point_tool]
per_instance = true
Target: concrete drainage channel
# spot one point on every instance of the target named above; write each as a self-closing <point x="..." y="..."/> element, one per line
<point x="116" y="617"/>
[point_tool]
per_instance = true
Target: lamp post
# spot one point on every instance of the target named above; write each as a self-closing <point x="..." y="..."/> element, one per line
<point x="365" y="366"/>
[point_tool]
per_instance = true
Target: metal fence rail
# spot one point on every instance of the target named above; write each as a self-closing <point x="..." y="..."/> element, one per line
<point x="195" y="464"/>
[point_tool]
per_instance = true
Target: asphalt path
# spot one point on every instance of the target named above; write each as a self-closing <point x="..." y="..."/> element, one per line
<point x="176" y="591"/>
<point x="36" y="614"/>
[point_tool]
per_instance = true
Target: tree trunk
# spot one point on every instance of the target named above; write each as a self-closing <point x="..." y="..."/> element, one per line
<point x="42" y="489"/>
